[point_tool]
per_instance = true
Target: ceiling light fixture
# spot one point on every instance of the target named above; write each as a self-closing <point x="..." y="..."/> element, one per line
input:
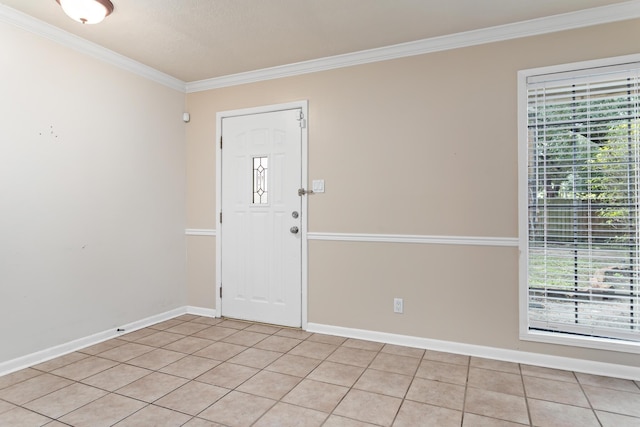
<point x="86" y="11"/>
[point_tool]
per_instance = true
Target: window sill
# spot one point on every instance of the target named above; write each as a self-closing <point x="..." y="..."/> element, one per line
<point x="581" y="341"/>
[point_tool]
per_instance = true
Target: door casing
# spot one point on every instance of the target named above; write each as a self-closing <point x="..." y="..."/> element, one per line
<point x="303" y="105"/>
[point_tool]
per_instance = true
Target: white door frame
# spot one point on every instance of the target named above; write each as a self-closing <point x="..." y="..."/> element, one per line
<point x="304" y="105"/>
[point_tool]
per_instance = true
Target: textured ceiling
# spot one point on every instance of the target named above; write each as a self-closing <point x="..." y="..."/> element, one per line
<point x="200" y="39"/>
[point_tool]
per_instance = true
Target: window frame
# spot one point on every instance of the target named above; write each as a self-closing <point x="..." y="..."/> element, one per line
<point x="525" y="333"/>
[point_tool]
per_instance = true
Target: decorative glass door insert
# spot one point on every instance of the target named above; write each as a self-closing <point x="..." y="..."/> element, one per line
<point x="260" y="181"/>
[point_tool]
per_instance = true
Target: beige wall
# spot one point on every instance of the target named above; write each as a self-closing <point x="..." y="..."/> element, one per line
<point x="425" y="145"/>
<point x="201" y="271"/>
<point x="92" y="196"/>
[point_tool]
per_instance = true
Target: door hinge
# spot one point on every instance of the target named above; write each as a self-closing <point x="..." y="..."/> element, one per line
<point x="301" y="120"/>
<point x="220" y="290"/>
<point x="220" y="217"/>
<point x="221" y="143"/>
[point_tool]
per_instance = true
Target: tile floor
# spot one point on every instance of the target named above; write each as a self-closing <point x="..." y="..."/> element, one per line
<point x="196" y="371"/>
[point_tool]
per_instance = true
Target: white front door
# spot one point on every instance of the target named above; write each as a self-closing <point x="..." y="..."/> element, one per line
<point x="260" y="232"/>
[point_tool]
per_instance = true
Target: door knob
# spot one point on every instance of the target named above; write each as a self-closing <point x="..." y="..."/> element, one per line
<point x="294" y="230"/>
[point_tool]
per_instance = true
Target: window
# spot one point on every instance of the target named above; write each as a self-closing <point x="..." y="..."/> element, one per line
<point x="580" y="205"/>
<point x="260" y="185"/>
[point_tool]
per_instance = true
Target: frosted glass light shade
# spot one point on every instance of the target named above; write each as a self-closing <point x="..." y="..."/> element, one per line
<point x="86" y="11"/>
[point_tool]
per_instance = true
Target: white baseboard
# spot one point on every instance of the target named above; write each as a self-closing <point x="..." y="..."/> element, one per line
<point x="545" y="360"/>
<point x="75" y="345"/>
<point x="200" y="311"/>
<point x="549" y="361"/>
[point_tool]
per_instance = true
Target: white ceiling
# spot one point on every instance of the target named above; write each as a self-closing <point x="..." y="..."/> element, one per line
<point x="193" y="40"/>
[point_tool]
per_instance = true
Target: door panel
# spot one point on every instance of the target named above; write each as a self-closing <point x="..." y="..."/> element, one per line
<point x="260" y="257"/>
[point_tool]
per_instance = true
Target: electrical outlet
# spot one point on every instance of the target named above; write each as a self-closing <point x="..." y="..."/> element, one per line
<point x="398" y="305"/>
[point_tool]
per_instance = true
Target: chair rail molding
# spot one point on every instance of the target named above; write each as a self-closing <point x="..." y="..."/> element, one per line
<point x="413" y="238"/>
<point x="200" y="231"/>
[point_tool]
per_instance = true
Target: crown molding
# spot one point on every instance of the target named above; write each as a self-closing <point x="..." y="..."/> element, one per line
<point x="40" y="28"/>
<point x="567" y="21"/>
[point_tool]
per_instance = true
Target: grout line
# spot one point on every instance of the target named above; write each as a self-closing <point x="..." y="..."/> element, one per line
<point x="586" y="396"/>
<point x="526" y="398"/>
<point x="466" y="390"/>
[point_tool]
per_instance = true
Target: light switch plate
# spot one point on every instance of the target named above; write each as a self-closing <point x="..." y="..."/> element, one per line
<point x="317" y="185"/>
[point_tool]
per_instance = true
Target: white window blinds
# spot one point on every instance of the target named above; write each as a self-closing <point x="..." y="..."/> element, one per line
<point x="583" y="200"/>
